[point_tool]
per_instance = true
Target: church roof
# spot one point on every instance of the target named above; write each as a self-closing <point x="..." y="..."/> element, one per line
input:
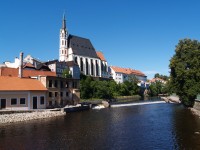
<point x="81" y="46"/>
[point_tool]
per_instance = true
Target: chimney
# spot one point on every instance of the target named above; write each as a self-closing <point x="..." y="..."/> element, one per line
<point x="21" y="65"/>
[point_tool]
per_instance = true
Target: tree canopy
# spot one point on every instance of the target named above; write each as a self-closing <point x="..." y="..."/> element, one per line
<point x="107" y="89"/>
<point x="185" y="71"/>
<point x="164" y="77"/>
<point x="66" y="73"/>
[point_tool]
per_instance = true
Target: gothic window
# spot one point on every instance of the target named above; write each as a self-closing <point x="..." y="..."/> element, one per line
<point x="62" y="42"/>
<point x="102" y="67"/>
<point x="62" y="51"/>
<point x="92" y="69"/>
<point x="76" y="60"/>
<point x="97" y="68"/>
<point x="86" y="67"/>
<point x="105" y="68"/>
<point x="81" y="64"/>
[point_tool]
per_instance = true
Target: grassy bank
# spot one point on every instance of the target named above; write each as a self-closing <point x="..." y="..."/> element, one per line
<point x="116" y="99"/>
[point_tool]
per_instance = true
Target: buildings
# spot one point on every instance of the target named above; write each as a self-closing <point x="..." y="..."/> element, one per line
<point x="22" y="93"/>
<point x="61" y="91"/>
<point x="36" y="86"/>
<point x="81" y="51"/>
<point x="26" y="88"/>
<point x="59" y="67"/>
<point x="122" y="74"/>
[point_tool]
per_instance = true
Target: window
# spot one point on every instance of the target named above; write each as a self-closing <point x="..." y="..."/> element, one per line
<point x="50" y="103"/>
<point x="74" y="84"/>
<point x="61" y="94"/>
<point x="55" y="83"/>
<point x="61" y="84"/>
<point x="56" y="94"/>
<point x="13" y="101"/>
<point x="50" y="94"/>
<point x="67" y="84"/>
<point x="41" y="100"/>
<point x="50" y="83"/>
<point x="67" y="94"/>
<point x="22" y="101"/>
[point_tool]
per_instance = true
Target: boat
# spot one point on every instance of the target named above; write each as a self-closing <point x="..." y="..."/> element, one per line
<point x="77" y="108"/>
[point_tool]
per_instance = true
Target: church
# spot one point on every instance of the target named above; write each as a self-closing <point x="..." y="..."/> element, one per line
<point x="81" y="51"/>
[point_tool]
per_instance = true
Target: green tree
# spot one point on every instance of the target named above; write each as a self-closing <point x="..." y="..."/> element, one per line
<point x="185" y="72"/>
<point x="66" y="73"/>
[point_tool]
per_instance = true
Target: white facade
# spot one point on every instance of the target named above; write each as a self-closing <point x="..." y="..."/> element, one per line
<point x="29" y="59"/>
<point x="63" y="51"/>
<point x="13" y="65"/>
<point x="125" y="74"/>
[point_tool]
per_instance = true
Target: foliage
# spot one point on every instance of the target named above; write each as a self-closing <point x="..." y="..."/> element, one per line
<point x="66" y="73"/>
<point x="157" y="88"/>
<point x="185" y="72"/>
<point x="106" y="89"/>
<point x="164" y="77"/>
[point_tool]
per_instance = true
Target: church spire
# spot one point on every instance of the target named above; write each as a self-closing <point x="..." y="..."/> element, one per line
<point x="63" y="22"/>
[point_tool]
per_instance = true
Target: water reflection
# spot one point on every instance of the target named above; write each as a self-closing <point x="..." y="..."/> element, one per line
<point x="157" y="126"/>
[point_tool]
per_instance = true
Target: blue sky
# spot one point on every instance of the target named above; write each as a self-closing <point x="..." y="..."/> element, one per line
<point x="138" y="34"/>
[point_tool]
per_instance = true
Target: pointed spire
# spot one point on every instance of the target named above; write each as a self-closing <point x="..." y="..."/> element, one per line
<point x="63" y="22"/>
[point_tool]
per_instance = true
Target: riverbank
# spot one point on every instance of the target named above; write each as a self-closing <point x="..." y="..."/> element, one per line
<point x="195" y="111"/>
<point x="26" y="116"/>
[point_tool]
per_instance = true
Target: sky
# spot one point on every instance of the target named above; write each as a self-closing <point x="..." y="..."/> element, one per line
<point x="137" y="34"/>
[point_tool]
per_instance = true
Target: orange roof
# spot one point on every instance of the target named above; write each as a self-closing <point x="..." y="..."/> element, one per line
<point x="127" y="71"/>
<point x="28" y="65"/>
<point x="13" y="72"/>
<point x="101" y="56"/>
<point x="20" y="84"/>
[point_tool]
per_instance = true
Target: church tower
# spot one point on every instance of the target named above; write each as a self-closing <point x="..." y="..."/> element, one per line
<point x="63" y="51"/>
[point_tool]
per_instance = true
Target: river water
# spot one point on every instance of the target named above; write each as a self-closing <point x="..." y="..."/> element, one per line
<point x="155" y="126"/>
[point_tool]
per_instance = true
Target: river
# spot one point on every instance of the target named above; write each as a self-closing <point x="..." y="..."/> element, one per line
<point x="154" y="126"/>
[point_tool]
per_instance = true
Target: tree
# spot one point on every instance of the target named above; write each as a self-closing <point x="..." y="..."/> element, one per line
<point x="66" y="74"/>
<point x="164" y="77"/>
<point x="185" y="72"/>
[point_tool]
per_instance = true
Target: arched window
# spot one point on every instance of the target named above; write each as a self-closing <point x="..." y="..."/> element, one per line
<point x="86" y="61"/>
<point x="81" y="60"/>
<point x="97" y="68"/>
<point x="92" y="67"/>
<point x="75" y="59"/>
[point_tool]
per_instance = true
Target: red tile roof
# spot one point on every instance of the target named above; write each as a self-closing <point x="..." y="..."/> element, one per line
<point x="20" y="84"/>
<point x="13" y="72"/>
<point x="101" y="56"/>
<point x="127" y="71"/>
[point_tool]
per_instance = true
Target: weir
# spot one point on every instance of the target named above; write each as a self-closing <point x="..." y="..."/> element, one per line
<point x="134" y="104"/>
